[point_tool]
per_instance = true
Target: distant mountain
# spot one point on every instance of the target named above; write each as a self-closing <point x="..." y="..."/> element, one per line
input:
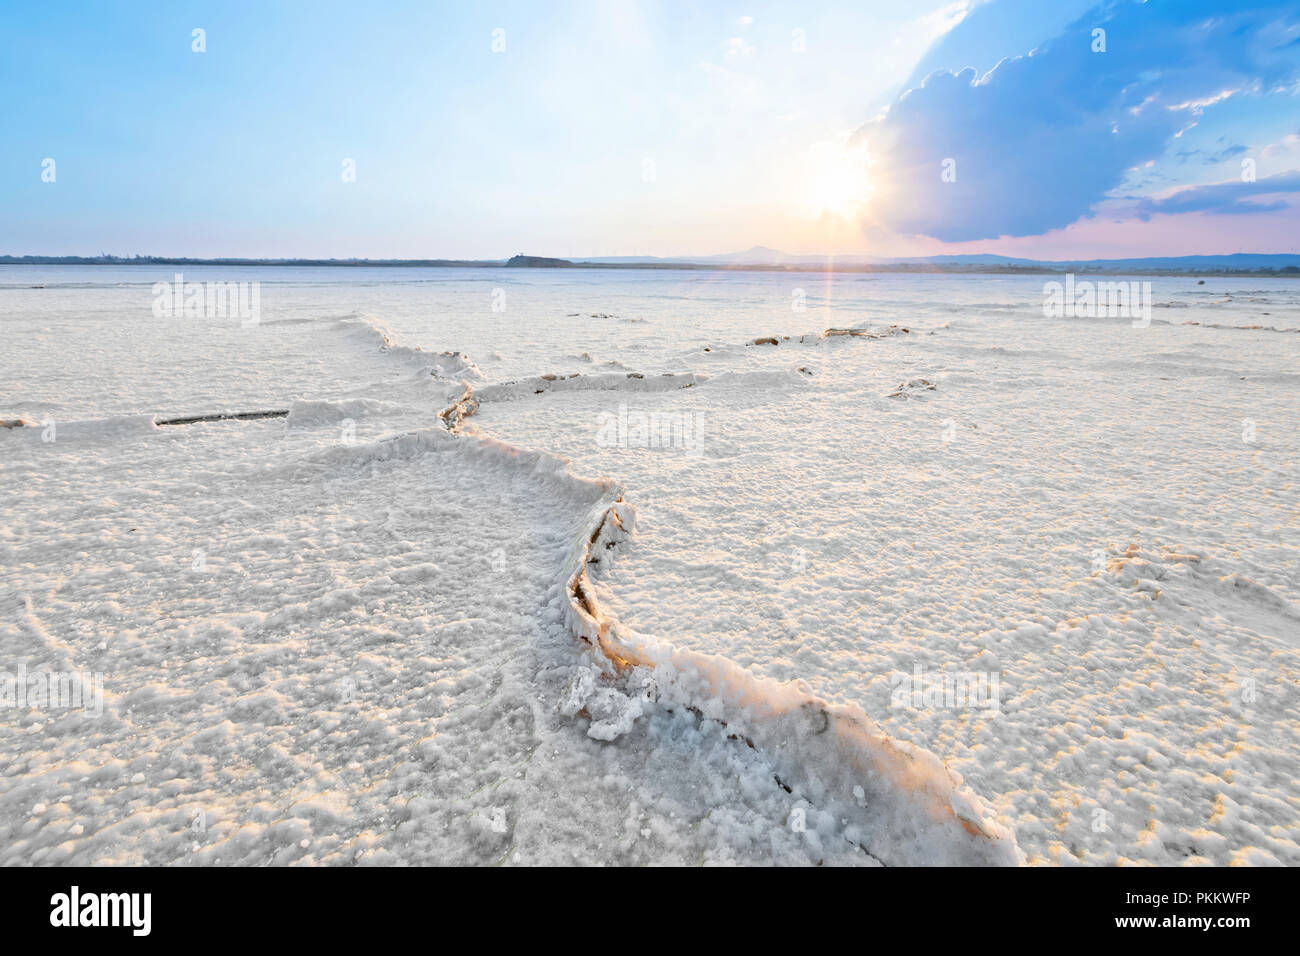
<point x="1236" y="260"/>
<point x="761" y="256"/>
<point x="754" y="256"/>
<point x="758" y="256"/>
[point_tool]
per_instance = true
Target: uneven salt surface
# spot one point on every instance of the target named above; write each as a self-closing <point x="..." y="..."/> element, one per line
<point x="403" y="691"/>
<point x="323" y="660"/>
<point x="1077" y="514"/>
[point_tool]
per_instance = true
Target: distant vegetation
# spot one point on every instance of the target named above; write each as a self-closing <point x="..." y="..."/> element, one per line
<point x="537" y="262"/>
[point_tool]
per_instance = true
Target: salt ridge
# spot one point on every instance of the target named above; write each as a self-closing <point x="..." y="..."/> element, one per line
<point x="900" y="801"/>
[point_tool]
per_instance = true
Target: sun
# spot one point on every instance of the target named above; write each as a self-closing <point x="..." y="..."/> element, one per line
<point x="835" y="179"/>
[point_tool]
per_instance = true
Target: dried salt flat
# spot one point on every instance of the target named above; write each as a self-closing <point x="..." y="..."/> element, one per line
<point x="376" y="653"/>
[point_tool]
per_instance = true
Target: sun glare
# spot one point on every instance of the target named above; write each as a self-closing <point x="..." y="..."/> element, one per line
<point x="836" y="179"/>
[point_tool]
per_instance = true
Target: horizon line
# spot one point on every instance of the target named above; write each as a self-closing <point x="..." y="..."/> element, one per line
<point x="964" y="263"/>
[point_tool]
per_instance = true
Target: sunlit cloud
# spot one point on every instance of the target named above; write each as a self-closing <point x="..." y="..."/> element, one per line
<point x="1037" y="142"/>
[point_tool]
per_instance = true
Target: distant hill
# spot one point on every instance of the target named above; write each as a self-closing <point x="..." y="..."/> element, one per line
<point x="763" y="258"/>
<point x="537" y="262"/>
<point x="1238" y="260"/>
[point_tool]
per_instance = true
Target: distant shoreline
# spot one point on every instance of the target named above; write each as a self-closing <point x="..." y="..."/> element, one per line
<point x="1091" y="267"/>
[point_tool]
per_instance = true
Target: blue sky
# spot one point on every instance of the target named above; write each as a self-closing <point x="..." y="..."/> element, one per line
<point x="635" y="128"/>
